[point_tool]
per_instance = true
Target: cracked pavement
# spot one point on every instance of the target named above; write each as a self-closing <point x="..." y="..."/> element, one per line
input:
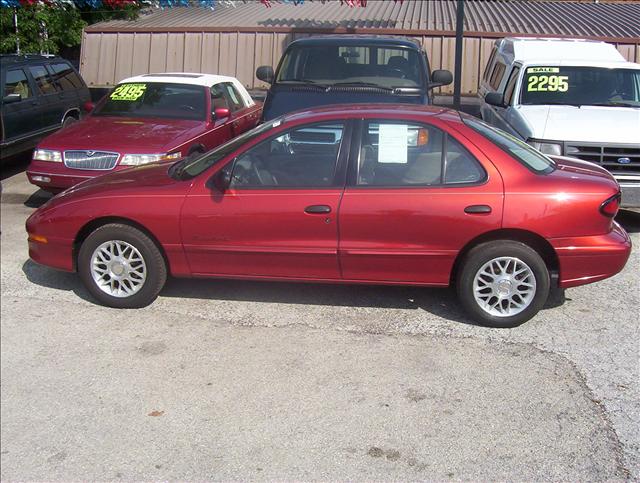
<point x="253" y="380"/>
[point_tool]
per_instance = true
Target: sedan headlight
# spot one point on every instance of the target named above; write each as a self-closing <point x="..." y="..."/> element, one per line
<point x="138" y="159"/>
<point x="47" y="155"/>
<point x="546" y="147"/>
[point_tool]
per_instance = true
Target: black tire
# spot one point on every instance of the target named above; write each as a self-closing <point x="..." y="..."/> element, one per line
<point x="68" y="121"/>
<point x="156" y="269"/>
<point x="485" y="252"/>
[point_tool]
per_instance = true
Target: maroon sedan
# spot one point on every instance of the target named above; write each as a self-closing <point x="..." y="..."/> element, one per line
<point x="385" y="194"/>
<point x="145" y="119"/>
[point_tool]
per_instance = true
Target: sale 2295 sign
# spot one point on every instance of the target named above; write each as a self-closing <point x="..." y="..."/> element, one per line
<point x="546" y="79"/>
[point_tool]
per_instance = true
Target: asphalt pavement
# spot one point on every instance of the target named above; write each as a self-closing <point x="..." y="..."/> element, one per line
<point x="221" y="380"/>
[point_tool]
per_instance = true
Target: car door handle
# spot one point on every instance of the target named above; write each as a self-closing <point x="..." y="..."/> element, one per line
<point x="317" y="209"/>
<point x="477" y="209"/>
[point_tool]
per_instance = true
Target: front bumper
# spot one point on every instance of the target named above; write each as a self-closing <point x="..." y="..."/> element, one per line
<point x="630" y="194"/>
<point x="589" y="259"/>
<point x="59" y="176"/>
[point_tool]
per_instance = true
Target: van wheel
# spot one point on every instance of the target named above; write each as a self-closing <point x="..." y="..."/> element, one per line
<point x="503" y="283"/>
<point x="68" y="121"/>
<point x="121" y="266"/>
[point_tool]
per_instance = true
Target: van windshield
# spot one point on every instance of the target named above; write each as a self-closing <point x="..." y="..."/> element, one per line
<point x="581" y="86"/>
<point x="388" y="67"/>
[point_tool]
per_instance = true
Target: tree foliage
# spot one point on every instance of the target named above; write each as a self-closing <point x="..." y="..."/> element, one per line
<point x="46" y="28"/>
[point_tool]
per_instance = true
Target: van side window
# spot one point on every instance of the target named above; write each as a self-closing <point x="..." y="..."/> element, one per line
<point x="43" y="81"/>
<point x="496" y="75"/>
<point x="65" y="76"/>
<point x="487" y="68"/>
<point x="511" y="85"/>
<point x="17" y="83"/>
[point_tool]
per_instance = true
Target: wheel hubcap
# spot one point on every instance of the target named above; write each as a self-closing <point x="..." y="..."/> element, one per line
<point x="504" y="286"/>
<point x="118" y="269"/>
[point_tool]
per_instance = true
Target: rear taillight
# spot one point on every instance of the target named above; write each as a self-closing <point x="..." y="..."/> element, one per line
<point x="611" y="205"/>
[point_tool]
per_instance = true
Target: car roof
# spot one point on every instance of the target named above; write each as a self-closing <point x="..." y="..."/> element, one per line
<point x="528" y="49"/>
<point x="333" y="40"/>
<point x="190" y="78"/>
<point x="382" y="110"/>
<point x="7" y="59"/>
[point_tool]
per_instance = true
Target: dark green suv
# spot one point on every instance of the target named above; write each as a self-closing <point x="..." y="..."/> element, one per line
<point x="40" y="94"/>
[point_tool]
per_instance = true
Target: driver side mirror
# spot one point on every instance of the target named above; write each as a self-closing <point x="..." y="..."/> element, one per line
<point x="265" y="73"/>
<point x="495" y="99"/>
<point x="11" y="98"/>
<point x="440" y="78"/>
<point x="88" y="106"/>
<point x="222" y="179"/>
<point x="221" y="113"/>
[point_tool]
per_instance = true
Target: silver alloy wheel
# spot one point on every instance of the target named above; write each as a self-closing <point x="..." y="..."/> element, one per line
<point x="504" y="286"/>
<point x="118" y="269"/>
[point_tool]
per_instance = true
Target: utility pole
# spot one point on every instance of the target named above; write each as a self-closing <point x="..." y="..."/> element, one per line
<point x="15" y="24"/>
<point x="457" y="76"/>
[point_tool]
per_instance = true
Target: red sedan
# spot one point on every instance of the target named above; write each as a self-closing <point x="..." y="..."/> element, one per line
<point x="351" y="194"/>
<point x="145" y="119"/>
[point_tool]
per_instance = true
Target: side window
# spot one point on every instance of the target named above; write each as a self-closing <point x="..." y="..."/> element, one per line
<point x="305" y="157"/>
<point x="218" y="98"/>
<point x="65" y="76"/>
<point x="511" y="85"/>
<point x="460" y="165"/>
<point x="397" y="155"/>
<point x="487" y="69"/>
<point x="234" y="99"/>
<point x="43" y="81"/>
<point x="496" y="75"/>
<point x="17" y="84"/>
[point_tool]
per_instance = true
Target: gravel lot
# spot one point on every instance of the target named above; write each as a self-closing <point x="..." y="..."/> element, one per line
<point x="247" y="380"/>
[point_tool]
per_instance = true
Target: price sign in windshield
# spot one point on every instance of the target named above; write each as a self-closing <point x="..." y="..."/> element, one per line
<point x="546" y="79"/>
<point x="128" y="92"/>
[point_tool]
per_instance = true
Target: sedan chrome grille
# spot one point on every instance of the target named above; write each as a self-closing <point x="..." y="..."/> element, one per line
<point x="98" y="160"/>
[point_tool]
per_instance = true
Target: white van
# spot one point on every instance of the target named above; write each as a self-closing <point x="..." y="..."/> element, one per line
<point x="567" y="97"/>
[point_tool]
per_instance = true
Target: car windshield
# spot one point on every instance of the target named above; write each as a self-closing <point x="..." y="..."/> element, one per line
<point x="155" y="99"/>
<point x="389" y="67"/>
<point x="521" y="151"/>
<point x="188" y="169"/>
<point x="581" y="86"/>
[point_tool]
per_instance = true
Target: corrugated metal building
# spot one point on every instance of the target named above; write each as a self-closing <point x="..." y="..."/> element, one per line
<point x="236" y="40"/>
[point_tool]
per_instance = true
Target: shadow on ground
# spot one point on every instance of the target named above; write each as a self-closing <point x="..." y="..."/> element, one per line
<point x="441" y="302"/>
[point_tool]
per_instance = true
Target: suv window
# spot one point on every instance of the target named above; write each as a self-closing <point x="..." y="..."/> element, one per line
<point x="304" y="157"/>
<point x="65" y="77"/>
<point x="234" y="99"/>
<point x="43" y="81"/>
<point x="395" y="154"/>
<point x="17" y="83"/>
<point x="487" y="69"/>
<point x="496" y="75"/>
<point x="511" y="85"/>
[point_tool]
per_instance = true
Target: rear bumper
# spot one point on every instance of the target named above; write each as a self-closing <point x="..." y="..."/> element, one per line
<point x="589" y="259"/>
<point x="57" y="176"/>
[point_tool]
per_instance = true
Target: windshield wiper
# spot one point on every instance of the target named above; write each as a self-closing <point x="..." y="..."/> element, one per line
<point x="176" y="170"/>
<point x="615" y="103"/>
<point x="307" y="82"/>
<point x="361" y="84"/>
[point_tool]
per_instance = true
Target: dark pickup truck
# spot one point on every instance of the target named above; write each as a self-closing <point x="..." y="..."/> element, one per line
<point x="349" y="68"/>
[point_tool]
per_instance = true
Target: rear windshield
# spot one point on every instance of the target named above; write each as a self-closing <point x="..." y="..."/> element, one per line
<point x="155" y="99"/>
<point x="528" y="156"/>
<point x="331" y="65"/>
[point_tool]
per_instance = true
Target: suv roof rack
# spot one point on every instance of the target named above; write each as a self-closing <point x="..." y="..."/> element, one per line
<point x="23" y="57"/>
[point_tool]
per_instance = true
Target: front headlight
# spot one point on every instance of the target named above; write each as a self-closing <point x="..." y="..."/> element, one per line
<point x="47" y="155"/>
<point x="546" y="147"/>
<point x="138" y="159"/>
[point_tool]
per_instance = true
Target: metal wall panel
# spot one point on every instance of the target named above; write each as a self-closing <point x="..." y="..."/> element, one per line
<point x="108" y="57"/>
<point x="210" y="57"/>
<point x="141" y="54"/>
<point x="175" y="53"/>
<point x="193" y="52"/>
<point x="124" y="57"/>
<point x="158" y="53"/>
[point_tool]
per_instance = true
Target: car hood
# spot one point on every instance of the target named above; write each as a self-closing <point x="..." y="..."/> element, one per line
<point x="587" y="123"/>
<point x="123" y="134"/>
<point x="282" y="100"/>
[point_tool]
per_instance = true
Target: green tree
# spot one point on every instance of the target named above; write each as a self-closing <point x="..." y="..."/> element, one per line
<point x="45" y="28"/>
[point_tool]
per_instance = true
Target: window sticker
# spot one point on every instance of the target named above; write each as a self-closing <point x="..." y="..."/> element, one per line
<point x="543" y="70"/>
<point x="392" y="143"/>
<point x="128" y="92"/>
<point x="547" y="83"/>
